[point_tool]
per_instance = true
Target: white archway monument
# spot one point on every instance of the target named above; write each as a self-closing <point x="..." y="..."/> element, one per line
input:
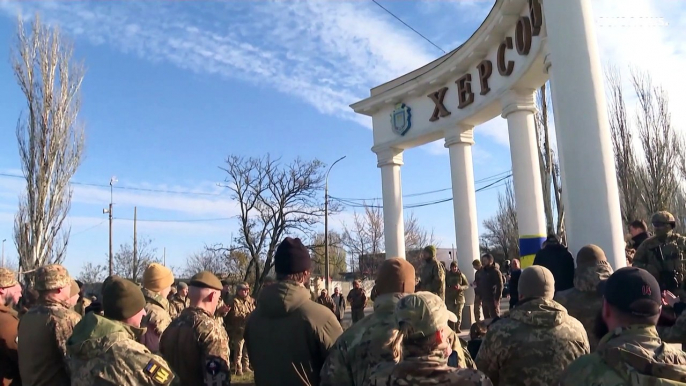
<point x="520" y="45"/>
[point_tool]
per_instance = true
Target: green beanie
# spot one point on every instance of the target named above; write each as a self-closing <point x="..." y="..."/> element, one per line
<point x="121" y="298"/>
<point x="431" y="250"/>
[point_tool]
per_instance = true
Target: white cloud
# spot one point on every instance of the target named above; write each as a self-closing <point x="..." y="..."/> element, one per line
<point x="325" y="53"/>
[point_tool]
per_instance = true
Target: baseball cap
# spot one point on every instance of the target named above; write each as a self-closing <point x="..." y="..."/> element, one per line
<point x="421" y="314"/>
<point x="632" y="290"/>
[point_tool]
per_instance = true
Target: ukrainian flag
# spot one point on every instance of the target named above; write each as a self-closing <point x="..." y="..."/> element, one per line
<point x="528" y="246"/>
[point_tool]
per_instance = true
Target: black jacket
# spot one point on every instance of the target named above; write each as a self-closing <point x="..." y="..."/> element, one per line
<point x="637" y="240"/>
<point x="513" y="286"/>
<point x="560" y="262"/>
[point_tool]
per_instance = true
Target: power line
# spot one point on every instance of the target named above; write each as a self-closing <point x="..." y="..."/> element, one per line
<point x="408" y="26"/>
<point x="181" y="220"/>
<point x="127" y="187"/>
<point x="485" y="179"/>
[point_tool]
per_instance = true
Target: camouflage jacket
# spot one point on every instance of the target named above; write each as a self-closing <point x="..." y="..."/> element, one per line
<point x="241" y="308"/>
<point x="583" y="301"/>
<point x="357" y="298"/>
<point x="81" y="305"/>
<point x="675" y="333"/>
<point x="197" y="349"/>
<point x="327" y="302"/>
<point x="106" y="352"/>
<point x="42" y="343"/>
<point x="177" y="305"/>
<point x="455" y="285"/>
<point x="631" y="356"/>
<point x="432" y="369"/>
<point x="531" y="346"/>
<point x="363" y="346"/>
<point x="673" y="253"/>
<point x="157" y="312"/>
<point x="432" y="277"/>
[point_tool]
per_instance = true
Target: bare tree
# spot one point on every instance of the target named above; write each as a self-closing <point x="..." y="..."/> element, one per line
<point x="623" y="146"/>
<point x="92" y="273"/>
<point x="417" y="237"/>
<point x="660" y="144"/>
<point x="274" y="199"/>
<point x="502" y="233"/>
<point x="205" y="260"/>
<point x="225" y="262"/>
<point x="125" y="265"/>
<point x="365" y="237"/>
<point x="50" y="142"/>
<point x="550" y="171"/>
<point x="337" y="255"/>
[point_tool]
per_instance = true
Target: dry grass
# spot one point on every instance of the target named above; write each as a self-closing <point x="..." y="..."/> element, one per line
<point x="246" y="379"/>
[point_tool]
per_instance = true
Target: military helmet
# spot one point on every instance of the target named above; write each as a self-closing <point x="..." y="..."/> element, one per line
<point x="663" y="217"/>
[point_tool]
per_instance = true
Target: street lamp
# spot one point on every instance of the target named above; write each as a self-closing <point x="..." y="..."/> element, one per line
<point x="326" y="225"/>
<point x="113" y="180"/>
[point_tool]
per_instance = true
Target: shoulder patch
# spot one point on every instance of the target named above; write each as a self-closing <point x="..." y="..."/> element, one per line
<point x="159" y="373"/>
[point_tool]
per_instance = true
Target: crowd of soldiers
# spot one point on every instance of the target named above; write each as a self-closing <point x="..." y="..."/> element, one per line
<point x="608" y="328"/>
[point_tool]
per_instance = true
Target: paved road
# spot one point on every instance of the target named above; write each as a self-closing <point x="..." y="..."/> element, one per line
<point x="347" y="318"/>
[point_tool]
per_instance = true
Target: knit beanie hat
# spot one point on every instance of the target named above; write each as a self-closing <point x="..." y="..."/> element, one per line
<point x="121" y="299"/>
<point x="395" y="275"/>
<point x="157" y="277"/>
<point x="589" y="255"/>
<point x="430" y="250"/>
<point x="537" y="282"/>
<point x="292" y="257"/>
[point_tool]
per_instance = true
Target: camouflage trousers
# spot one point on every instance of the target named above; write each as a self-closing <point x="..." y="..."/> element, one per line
<point x="357" y="314"/>
<point x="240" y="360"/>
<point x="457" y="310"/>
<point x="477" y="308"/>
<point x="491" y="308"/>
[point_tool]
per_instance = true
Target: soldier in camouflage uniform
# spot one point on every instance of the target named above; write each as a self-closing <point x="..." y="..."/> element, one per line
<point x="195" y="345"/>
<point x="368" y="342"/>
<point x="432" y="274"/>
<point x="456" y="283"/>
<point x="630" y="352"/>
<point x="45" y="328"/>
<point x="179" y="301"/>
<point x="241" y="307"/>
<point x="325" y="300"/>
<point x="105" y="350"/>
<point x="663" y="255"/>
<point x="422" y="319"/>
<point x="10" y="292"/>
<point x="358" y="301"/>
<point x="536" y="342"/>
<point x="583" y="301"/>
<point x="157" y="282"/>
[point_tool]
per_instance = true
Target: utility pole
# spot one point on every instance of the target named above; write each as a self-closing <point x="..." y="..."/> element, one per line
<point x="135" y="247"/>
<point x="3" y="252"/>
<point x="326" y="226"/>
<point x="164" y="256"/>
<point x="109" y="210"/>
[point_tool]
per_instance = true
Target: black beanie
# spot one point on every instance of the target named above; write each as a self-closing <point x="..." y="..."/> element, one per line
<point x="292" y="257"/>
<point x="121" y="298"/>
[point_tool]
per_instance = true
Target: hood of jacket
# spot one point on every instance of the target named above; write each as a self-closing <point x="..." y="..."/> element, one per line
<point x="280" y="299"/>
<point x="586" y="278"/>
<point x="539" y="312"/>
<point x="385" y="304"/>
<point x="96" y="333"/>
<point x="631" y="353"/>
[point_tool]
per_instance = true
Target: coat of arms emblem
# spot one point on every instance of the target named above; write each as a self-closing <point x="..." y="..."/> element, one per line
<point x="401" y="118"/>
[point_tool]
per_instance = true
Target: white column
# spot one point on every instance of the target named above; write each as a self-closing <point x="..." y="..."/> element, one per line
<point x="583" y="135"/>
<point x="390" y="160"/>
<point x="459" y="141"/>
<point x="519" y="108"/>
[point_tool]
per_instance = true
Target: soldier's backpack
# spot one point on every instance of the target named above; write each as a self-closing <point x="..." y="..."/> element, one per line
<point x="637" y="370"/>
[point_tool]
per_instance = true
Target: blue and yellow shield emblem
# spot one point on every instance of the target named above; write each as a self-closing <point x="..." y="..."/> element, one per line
<point x="401" y="119"/>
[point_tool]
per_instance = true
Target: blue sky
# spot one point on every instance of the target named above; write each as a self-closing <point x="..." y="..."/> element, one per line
<point x="173" y="87"/>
